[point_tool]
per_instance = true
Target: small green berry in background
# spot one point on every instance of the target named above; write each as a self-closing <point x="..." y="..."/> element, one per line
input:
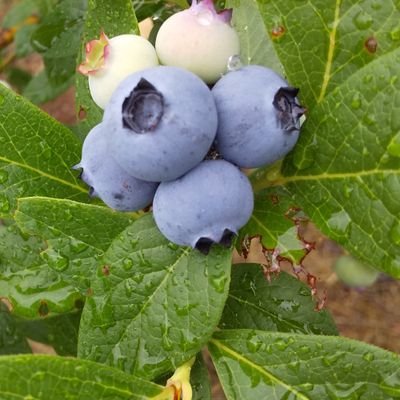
<point x="232" y="125"/>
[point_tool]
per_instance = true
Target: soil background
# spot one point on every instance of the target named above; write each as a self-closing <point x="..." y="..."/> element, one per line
<point x="371" y="315"/>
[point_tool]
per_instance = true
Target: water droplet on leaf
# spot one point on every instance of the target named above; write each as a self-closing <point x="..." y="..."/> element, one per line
<point x="4" y="204"/>
<point x="368" y="357"/>
<point x="395" y="34"/>
<point x="218" y="282"/>
<point x="363" y="20"/>
<point x="234" y="63"/>
<point x="253" y="344"/>
<point x="55" y="260"/>
<point x="339" y="222"/>
<point x="127" y="264"/>
<point x="78" y="247"/>
<point x="395" y="233"/>
<point x="3" y="176"/>
<point x="356" y="101"/>
<point x="394" y="146"/>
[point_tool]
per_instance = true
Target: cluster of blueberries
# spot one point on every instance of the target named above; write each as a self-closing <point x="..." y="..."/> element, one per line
<point x="167" y="139"/>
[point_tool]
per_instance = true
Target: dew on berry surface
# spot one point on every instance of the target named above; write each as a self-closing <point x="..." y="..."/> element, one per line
<point x="234" y="63"/>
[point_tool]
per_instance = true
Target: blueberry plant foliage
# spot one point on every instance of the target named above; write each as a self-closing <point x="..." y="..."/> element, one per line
<point x="123" y="307"/>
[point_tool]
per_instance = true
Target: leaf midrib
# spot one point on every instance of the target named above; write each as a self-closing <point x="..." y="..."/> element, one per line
<point x="44" y="174"/>
<point x="283" y="180"/>
<point x="258" y="368"/>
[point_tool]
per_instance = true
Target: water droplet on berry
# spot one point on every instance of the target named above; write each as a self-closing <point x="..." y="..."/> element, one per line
<point x="205" y="17"/>
<point x="234" y="63"/>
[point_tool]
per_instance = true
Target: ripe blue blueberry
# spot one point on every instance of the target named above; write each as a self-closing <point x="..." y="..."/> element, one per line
<point x="107" y="180"/>
<point x="258" y="116"/>
<point x="162" y="122"/>
<point x="205" y="206"/>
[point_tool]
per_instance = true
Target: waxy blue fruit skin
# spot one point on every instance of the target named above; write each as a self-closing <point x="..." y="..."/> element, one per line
<point x="207" y="205"/>
<point x="162" y="122"/>
<point x="107" y="180"/>
<point x="258" y="116"/>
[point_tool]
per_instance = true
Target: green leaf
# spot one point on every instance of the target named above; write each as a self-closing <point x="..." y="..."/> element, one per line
<point x="20" y="11"/>
<point x="256" y="46"/>
<point x="321" y="45"/>
<point x="154" y="304"/>
<point x="77" y="234"/>
<point x="29" y="285"/>
<point x="276" y="220"/>
<point x="52" y="377"/>
<point x="114" y="18"/>
<point x="256" y="364"/>
<point x="40" y="90"/>
<point x="23" y="46"/>
<point x="345" y="171"/>
<point x="200" y="380"/>
<point x="284" y="305"/>
<point x="58" y="38"/>
<point x="17" y="77"/>
<point x="148" y="9"/>
<point x="12" y="339"/>
<point x="60" y="332"/>
<point x="36" y="154"/>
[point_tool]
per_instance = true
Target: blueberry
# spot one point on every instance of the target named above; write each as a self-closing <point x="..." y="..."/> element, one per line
<point x="162" y="122"/>
<point x="258" y="116"/>
<point x="199" y="39"/>
<point x="107" y="180"/>
<point x="205" y="206"/>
